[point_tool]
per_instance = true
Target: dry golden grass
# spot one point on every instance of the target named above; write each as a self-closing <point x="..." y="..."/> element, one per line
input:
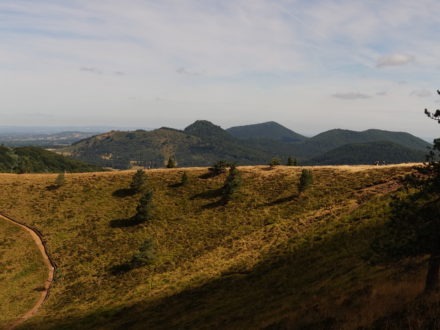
<point x="308" y="246"/>
<point x="22" y="273"/>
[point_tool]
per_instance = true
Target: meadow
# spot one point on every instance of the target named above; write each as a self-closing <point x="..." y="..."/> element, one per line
<point x="270" y="258"/>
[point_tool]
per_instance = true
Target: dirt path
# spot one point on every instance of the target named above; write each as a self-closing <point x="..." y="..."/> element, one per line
<point x="36" y="236"/>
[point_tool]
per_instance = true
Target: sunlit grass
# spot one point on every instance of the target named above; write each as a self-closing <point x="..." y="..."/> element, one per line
<point x="22" y="272"/>
<point x="310" y="246"/>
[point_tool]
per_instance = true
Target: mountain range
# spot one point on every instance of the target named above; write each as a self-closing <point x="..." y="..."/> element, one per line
<point x="203" y="143"/>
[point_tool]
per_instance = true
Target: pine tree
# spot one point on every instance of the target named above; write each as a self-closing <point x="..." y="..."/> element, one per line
<point x="143" y="209"/>
<point x="184" y="179"/>
<point x="219" y="167"/>
<point x="145" y="256"/>
<point x="171" y="162"/>
<point x="60" y="180"/>
<point x="232" y="183"/>
<point x="291" y="161"/>
<point x="305" y="180"/>
<point x="415" y="221"/>
<point x="138" y="181"/>
<point x="274" y="162"/>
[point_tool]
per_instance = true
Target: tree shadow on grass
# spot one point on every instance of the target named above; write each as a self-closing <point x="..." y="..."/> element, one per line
<point x="120" y="269"/>
<point x="282" y="200"/>
<point x="207" y="175"/>
<point x="212" y="193"/>
<point x="176" y="185"/>
<point x="52" y="187"/>
<point x="213" y="205"/>
<point x="123" y="192"/>
<point x="124" y="223"/>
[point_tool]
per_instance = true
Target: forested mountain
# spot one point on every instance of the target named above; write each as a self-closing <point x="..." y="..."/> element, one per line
<point x="268" y="131"/>
<point x="335" y="138"/>
<point x="202" y="143"/>
<point x="37" y="160"/>
<point x="369" y="153"/>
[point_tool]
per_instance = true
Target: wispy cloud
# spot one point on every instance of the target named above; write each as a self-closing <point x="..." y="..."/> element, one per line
<point x="185" y="71"/>
<point x="90" y="70"/>
<point x="351" y="96"/>
<point x="422" y="93"/>
<point x="245" y="56"/>
<point x="394" y="60"/>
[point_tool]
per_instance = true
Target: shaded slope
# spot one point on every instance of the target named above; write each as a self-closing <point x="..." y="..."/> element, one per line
<point x="269" y="130"/>
<point x="369" y="153"/>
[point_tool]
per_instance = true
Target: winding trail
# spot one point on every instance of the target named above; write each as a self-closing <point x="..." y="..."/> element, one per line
<point x="38" y="239"/>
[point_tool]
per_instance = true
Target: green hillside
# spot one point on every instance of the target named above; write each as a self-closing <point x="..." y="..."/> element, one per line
<point x="270" y="258"/>
<point x="332" y="139"/>
<point x="369" y="153"/>
<point x="37" y="160"/>
<point x="203" y="143"/>
<point x="269" y="131"/>
<point x="200" y="144"/>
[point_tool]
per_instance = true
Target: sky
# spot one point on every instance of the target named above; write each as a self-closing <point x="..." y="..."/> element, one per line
<point x="311" y="65"/>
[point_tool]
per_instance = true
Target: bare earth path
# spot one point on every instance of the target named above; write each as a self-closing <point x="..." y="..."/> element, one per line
<point x="50" y="266"/>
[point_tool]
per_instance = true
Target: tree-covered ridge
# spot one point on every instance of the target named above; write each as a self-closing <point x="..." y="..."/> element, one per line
<point x="369" y="153"/>
<point x="269" y="130"/>
<point x="203" y="143"/>
<point x="37" y="160"/>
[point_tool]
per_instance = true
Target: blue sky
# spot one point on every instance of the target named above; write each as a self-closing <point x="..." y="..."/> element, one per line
<point x="310" y="65"/>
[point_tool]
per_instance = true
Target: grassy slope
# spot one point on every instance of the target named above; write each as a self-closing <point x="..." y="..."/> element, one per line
<point x="267" y="258"/>
<point x="22" y="272"/>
